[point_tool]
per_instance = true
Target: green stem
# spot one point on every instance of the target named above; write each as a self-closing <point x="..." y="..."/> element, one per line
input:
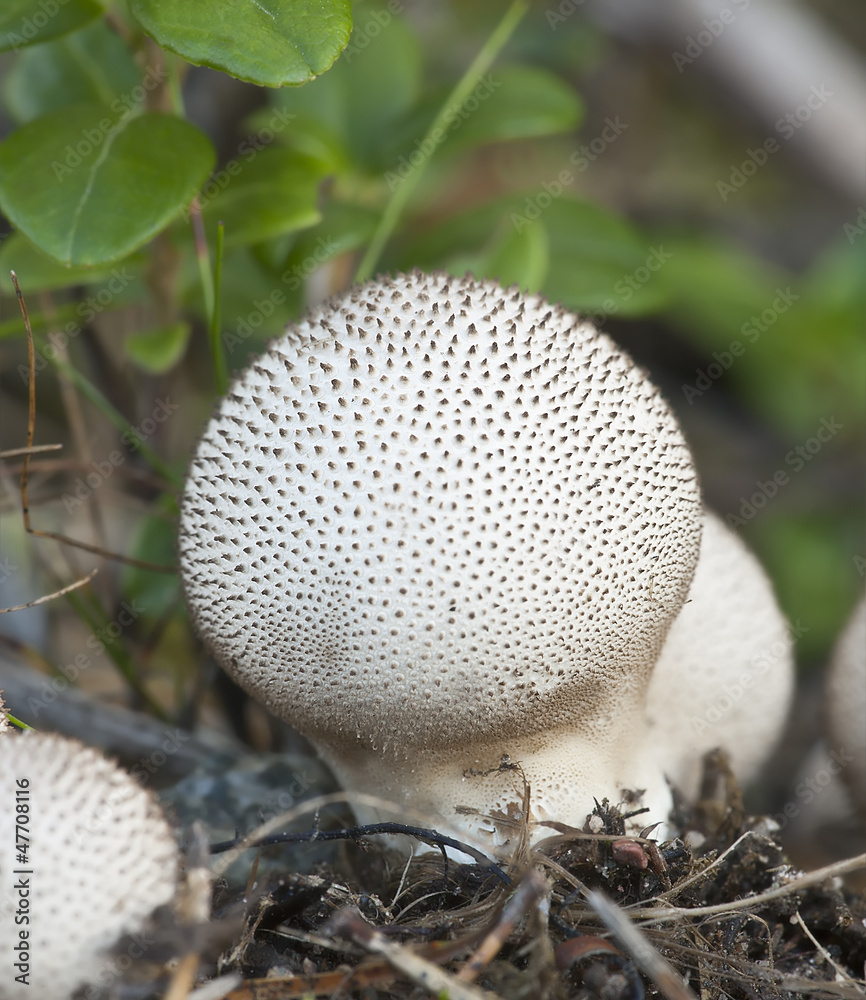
<point x="39" y="321"/>
<point x="89" y="391"/>
<point x="455" y="101"/>
<point x="98" y="622"/>
<point x="175" y="93"/>
<point x="202" y="258"/>
<point x="216" y="344"/>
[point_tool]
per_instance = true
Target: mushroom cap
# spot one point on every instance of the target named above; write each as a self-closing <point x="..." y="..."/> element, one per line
<point x="438" y="515"/>
<point x="4" y="716"/>
<point x="725" y="674"/>
<point x="102" y="859"/>
<point x="846" y="702"/>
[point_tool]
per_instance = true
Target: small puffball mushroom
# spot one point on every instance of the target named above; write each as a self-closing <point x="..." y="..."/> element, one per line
<point x="4" y="716"/>
<point x="440" y="523"/>
<point x="100" y="858"/>
<point x="725" y="675"/>
<point x="846" y="703"/>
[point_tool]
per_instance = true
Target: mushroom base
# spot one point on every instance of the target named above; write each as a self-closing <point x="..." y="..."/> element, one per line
<point x="478" y="796"/>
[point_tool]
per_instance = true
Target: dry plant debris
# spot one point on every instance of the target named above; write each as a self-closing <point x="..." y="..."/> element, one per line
<point x="593" y="914"/>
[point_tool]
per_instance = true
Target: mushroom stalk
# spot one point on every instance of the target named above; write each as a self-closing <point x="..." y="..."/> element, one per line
<point x="440" y="522"/>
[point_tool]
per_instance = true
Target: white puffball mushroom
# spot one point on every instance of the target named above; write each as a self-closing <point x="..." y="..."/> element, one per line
<point x="100" y="858"/>
<point x="5" y="726"/>
<point x="725" y="676"/>
<point x="439" y="523"/>
<point x="845" y="703"/>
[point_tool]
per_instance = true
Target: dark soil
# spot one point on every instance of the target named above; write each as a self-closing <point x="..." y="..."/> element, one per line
<point x="369" y="927"/>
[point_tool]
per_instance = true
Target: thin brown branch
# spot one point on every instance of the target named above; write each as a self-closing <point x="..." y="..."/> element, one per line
<point x="35" y="450"/>
<point x="529" y="893"/>
<point x="29" y="450"/>
<point x="419" y="970"/>
<point x="639" y="948"/>
<point x="31" y="401"/>
<point x="841" y="974"/>
<point x="51" y="597"/>
<point x="98" y="551"/>
<point x="801" y="882"/>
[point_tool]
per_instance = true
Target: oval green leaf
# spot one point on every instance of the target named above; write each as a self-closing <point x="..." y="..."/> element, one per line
<point x="517" y="102"/>
<point x="595" y="261"/>
<point x="154" y="542"/>
<point x="511" y="258"/>
<point x="91" y="65"/>
<point x="31" y="22"/>
<point x="600" y="264"/>
<point x="270" y="43"/>
<point x="39" y="273"/>
<point x="344" y="228"/>
<point x="352" y="110"/>
<point x="158" y="350"/>
<point x="87" y="187"/>
<point x="273" y="193"/>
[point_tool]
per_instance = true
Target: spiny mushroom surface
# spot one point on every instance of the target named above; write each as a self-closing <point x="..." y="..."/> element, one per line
<point x="846" y="703"/>
<point x="725" y="675"/>
<point x="99" y="859"/>
<point x="438" y="523"/>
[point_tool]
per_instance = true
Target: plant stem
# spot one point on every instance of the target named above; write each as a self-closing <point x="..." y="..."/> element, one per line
<point x="89" y="390"/>
<point x="455" y="101"/>
<point x="216" y="344"/>
<point x="174" y="69"/>
<point x="94" y="616"/>
<point x="202" y="256"/>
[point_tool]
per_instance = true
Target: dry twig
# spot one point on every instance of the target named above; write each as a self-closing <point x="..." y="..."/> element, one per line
<point x="636" y="945"/>
<point x="51" y="597"/>
<point x="29" y="450"/>
<point x="530" y="891"/>
<point x="420" y="971"/>
<point x="653" y="915"/>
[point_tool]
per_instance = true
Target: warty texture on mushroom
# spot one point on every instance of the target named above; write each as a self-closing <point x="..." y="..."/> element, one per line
<point x="439" y="524"/>
<point x="98" y="859"/>
<point x="725" y="674"/>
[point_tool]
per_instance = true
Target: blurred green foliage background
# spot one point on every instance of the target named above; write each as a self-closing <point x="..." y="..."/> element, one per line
<point x="587" y="163"/>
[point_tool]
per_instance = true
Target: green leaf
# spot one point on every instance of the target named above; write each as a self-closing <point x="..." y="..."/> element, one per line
<point x="88" y="66"/>
<point x="523" y="259"/>
<point x="517" y="102"/>
<point x="40" y="273"/>
<point x="257" y="303"/>
<point x="512" y="258"/>
<point x="597" y="262"/>
<point x="792" y="374"/>
<point x="88" y="187"/>
<point x="272" y="44"/>
<point x="31" y="22"/>
<point x="715" y="288"/>
<point x="343" y="228"/>
<point x="273" y="193"/>
<point x="348" y="111"/>
<point x="158" y="350"/>
<point x="811" y="571"/>
<point x="155" y="542"/>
